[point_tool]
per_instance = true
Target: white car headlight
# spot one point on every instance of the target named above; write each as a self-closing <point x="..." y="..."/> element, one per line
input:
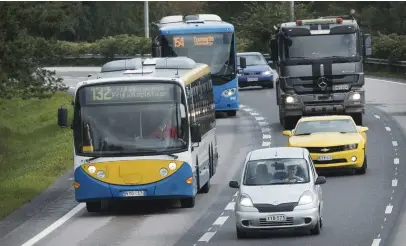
<point x="229" y="92"/>
<point x="355" y="96"/>
<point x="246" y="201"/>
<point x="266" y="73"/>
<point x="306" y="198"/>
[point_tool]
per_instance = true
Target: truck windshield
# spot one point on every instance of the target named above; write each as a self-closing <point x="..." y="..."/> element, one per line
<point x="130" y="119"/>
<point x="213" y="49"/>
<point x="323" y="46"/>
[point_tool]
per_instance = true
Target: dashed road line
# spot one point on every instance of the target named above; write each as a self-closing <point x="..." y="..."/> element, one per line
<point x="396" y="161"/>
<point x="266" y="144"/>
<point x="259" y="118"/>
<point x="220" y="220"/>
<point x="266" y="136"/>
<point x="230" y="206"/>
<point x="394" y="182"/>
<point x="207" y="236"/>
<point x="265" y="129"/>
<point x="388" y="129"/>
<point x="395" y="143"/>
<point x="388" y="209"/>
<point x="377" y="116"/>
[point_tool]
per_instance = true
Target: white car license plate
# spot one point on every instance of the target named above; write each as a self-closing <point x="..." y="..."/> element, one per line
<point x="341" y="87"/>
<point x="252" y="79"/>
<point x="134" y="193"/>
<point x="325" y="158"/>
<point x="276" y="218"/>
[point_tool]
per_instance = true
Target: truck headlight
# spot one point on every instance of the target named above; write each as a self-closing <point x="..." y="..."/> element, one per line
<point x="356" y="96"/>
<point x="229" y="92"/>
<point x="290" y="99"/>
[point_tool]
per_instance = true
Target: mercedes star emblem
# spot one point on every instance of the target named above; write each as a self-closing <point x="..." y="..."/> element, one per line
<point x="322" y="83"/>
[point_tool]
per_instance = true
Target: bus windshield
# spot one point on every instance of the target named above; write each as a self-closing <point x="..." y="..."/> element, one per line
<point x="213" y="49"/>
<point x="130" y="119"/>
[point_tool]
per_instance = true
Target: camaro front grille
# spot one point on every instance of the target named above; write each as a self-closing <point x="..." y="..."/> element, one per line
<point x="270" y="208"/>
<point x="334" y="161"/>
<point x="322" y="150"/>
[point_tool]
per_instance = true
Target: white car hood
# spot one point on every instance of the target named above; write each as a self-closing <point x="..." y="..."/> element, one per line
<point x="275" y="194"/>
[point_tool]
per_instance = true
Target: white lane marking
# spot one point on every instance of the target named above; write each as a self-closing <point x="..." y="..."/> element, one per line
<point x="220" y="220"/>
<point x="55" y="225"/>
<point x="265" y="130"/>
<point x="242" y="105"/>
<point x="394" y="143"/>
<point x="394" y="182"/>
<point x="396" y="161"/>
<point x="377" y="116"/>
<point x="388" y="209"/>
<point x="266" y="136"/>
<point x="254" y="114"/>
<point x="259" y="118"/>
<point x="384" y="219"/>
<point x="248" y="109"/>
<point x="207" y="236"/>
<point x="266" y="144"/>
<point x="376" y="242"/>
<point x="263" y="123"/>
<point x="388" y="129"/>
<point x="209" y="229"/>
<point x="230" y="206"/>
<point x="236" y="193"/>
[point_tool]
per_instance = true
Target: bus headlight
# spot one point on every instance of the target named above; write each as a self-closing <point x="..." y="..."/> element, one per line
<point x="101" y="174"/>
<point x="229" y="92"/>
<point x="172" y="166"/>
<point x="163" y="172"/>
<point x="91" y="169"/>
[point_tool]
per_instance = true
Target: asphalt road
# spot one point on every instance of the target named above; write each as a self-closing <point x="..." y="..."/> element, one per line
<point x="359" y="210"/>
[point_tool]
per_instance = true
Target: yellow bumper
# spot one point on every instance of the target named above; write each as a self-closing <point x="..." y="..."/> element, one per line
<point x="340" y="159"/>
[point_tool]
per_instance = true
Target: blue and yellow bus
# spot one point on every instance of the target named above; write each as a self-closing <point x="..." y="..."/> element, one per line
<point x="149" y="133"/>
<point x="206" y="39"/>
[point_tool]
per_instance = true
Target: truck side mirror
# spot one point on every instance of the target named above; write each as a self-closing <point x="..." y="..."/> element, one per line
<point x="63" y="117"/>
<point x="243" y="62"/>
<point x="367" y="45"/>
<point x="274" y="50"/>
<point x="195" y="133"/>
<point x="156" y="51"/>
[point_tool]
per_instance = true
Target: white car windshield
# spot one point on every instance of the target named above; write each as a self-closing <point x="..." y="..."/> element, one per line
<point x="309" y="127"/>
<point x="276" y="172"/>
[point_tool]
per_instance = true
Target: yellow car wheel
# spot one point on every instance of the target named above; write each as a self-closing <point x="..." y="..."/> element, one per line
<point x="363" y="169"/>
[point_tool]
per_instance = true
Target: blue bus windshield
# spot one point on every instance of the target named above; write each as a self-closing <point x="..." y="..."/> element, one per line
<point x="214" y="49"/>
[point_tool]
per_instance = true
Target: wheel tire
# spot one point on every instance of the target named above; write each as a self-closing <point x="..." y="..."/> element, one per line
<point x="316" y="230"/>
<point x="94" y="207"/>
<point x="357" y="118"/>
<point x="289" y="123"/>
<point x="188" y="202"/>
<point x="232" y="113"/>
<point x="241" y="234"/>
<point x="364" y="167"/>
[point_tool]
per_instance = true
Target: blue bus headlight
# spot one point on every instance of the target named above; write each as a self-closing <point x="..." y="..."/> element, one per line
<point x="229" y="92"/>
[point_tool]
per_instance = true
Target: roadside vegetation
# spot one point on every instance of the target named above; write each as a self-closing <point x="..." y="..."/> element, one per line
<point x="34" y="151"/>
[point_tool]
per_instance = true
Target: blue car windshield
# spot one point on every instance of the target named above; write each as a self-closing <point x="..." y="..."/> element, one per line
<point x="214" y="49"/>
<point x="253" y="60"/>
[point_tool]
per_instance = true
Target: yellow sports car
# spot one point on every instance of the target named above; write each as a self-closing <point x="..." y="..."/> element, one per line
<point x="333" y="141"/>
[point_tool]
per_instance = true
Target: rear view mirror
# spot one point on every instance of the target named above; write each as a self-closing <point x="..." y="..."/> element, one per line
<point x="273" y="46"/>
<point x="287" y="133"/>
<point x="243" y="62"/>
<point x="270" y="62"/>
<point x="367" y="45"/>
<point x="320" y="180"/>
<point x="63" y="117"/>
<point x="234" y="184"/>
<point x="195" y="133"/>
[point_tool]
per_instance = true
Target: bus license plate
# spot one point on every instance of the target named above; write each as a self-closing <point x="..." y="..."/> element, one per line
<point x="252" y="79"/>
<point x="134" y="193"/>
<point x="276" y="218"/>
<point x="325" y="158"/>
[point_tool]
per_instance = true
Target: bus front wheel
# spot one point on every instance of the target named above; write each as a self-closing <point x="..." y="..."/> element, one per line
<point x="188" y="202"/>
<point x="93" y="207"/>
<point x="232" y="113"/>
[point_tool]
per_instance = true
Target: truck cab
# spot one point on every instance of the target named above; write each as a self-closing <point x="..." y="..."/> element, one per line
<point x="320" y="63"/>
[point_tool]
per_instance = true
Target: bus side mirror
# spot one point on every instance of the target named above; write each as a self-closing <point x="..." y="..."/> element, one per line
<point x="243" y="62"/>
<point x="195" y="133"/>
<point x="274" y="50"/>
<point x="63" y="117"/>
<point x="367" y="45"/>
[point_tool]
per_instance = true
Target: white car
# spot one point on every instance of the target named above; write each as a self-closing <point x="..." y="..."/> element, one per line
<point x="279" y="189"/>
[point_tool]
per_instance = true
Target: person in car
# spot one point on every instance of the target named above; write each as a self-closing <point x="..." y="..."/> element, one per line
<point x="292" y="177"/>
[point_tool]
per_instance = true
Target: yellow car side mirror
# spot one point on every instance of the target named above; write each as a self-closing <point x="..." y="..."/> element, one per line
<point x="287" y="133"/>
<point x="363" y="129"/>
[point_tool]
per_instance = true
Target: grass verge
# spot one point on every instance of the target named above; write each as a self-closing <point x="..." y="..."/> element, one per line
<point x="34" y="151"/>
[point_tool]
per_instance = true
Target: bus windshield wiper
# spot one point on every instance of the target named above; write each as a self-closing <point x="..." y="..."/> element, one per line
<point x="92" y="158"/>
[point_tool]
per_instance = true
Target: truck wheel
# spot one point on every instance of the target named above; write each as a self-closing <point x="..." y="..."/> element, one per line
<point x="289" y="122"/>
<point x="357" y="118"/>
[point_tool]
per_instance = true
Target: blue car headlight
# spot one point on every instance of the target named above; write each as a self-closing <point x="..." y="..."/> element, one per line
<point x="267" y="73"/>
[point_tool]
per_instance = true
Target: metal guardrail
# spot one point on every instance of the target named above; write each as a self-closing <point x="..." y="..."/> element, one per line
<point x="98" y="56"/>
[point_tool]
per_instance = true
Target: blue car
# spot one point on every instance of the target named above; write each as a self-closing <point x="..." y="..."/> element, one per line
<point x="254" y="70"/>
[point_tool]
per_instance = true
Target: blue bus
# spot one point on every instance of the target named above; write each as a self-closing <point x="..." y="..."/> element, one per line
<point x="207" y="39"/>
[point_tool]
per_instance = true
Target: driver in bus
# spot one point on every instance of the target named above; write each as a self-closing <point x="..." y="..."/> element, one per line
<point x="165" y="130"/>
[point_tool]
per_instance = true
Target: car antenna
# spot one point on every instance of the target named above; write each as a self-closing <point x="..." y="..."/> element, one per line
<point x="177" y="71"/>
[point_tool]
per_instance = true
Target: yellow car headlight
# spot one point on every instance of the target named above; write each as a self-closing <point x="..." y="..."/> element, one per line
<point x="350" y="146"/>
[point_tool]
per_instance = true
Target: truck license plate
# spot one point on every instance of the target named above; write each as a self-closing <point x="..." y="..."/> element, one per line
<point x="131" y="193"/>
<point x="325" y="158"/>
<point x="276" y="218"/>
<point x="341" y="87"/>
